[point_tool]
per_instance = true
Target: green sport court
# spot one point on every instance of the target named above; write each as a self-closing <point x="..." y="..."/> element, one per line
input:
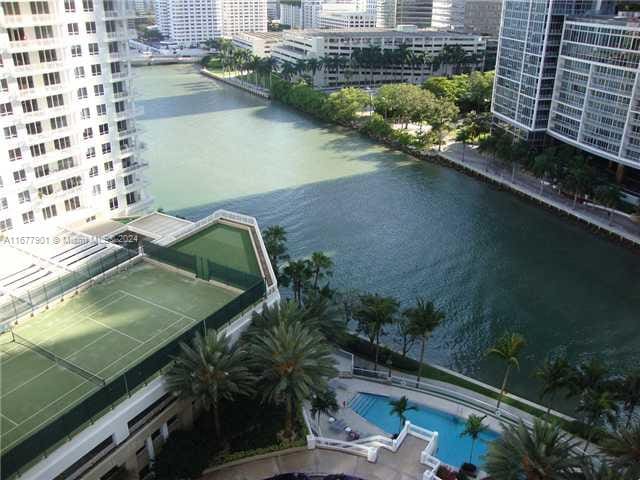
<point x="225" y="245"/>
<point x="105" y="330"/>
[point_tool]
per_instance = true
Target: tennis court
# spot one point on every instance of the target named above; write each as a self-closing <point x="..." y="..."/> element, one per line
<point x="225" y="245"/>
<point x="93" y="337"/>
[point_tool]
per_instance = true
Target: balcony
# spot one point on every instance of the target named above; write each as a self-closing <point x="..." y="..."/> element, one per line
<point x="32" y="45"/>
<point x="39" y="67"/>
<point x="133" y="168"/>
<point x="120" y="11"/>
<point x="26" y="19"/>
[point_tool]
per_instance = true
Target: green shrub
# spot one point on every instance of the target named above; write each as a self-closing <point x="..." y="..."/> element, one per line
<point x="376" y="127"/>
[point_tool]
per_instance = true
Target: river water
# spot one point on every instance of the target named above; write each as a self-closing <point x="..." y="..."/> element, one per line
<point x="395" y="226"/>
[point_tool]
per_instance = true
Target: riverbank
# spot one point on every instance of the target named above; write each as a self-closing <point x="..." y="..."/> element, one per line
<point x="234" y="82"/>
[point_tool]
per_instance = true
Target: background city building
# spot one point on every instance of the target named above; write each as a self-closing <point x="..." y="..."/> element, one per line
<point x="346" y="20"/>
<point x="259" y="43"/>
<point x="448" y="14"/>
<point x="70" y="149"/>
<point x="482" y="16"/>
<point x="391" y="13"/>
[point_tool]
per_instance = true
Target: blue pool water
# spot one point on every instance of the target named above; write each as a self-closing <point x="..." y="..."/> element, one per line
<point x="452" y="448"/>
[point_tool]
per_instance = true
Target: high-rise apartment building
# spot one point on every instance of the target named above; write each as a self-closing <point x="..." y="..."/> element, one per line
<point x="528" y="49"/>
<point x="448" y="14"/>
<point x="192" y="22"/>
<point x="596" y="99"/>
<point x="69" y="150"/>
<point x="482" y="16"/>
<point x="391" y="13"/>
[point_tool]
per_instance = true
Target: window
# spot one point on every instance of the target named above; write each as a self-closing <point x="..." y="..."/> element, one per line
<point x="131" y="198"/>
<point x="76" y="50"/>
<point x="82" y="93"/>
<point x="54" y="101"/>
<point x="113" y="47"/>
<point x="29" y="106"/>
<point x="44" y="31"/>
<point x="11" y="8"/>
<point x="28" y="217"/>
<point x="78" y="72"/>
<point x="39" y="8"/>
<point x="48" y="55"/>
<point x="6" y="109"/>
<point x="128" y="180"/>
<point x="62" y="143"/>
<point x="98" y="90"/>
<point x="58" y="122"/>
<point x="93" y="49"/>
<point x="10" y="132"/>
<point x="45" y="191"/>
<point x="91" y="27"/>
<point x="69" y="6"/>
<point x="106" y="148"/>
<point x="5" y="225"/>
<point x="85" y="113"/>
<point x="121" y="125"/>
<point x="113" y="203"/>
<point x="108" y="166"/>
<point x="93" y="171"/>
<point x="111" y="184"/>
<point x="87" y="133"/>
<point x="115" y="67"/>
<point x="103" y="129"/>
<point x="15" y="154"/>
<point x="73" y="29"/>
<point x="97" y="190"/>
<point x="16" y="34"/>
<point x="96" y="70"/>
<point x="34" y="128"/>
<point x="19" y="176"/>
<point x="101" y="109"/>
<point x="37" y="150"/>
<point x="91" y="152"/>
<point x="126" y="162"/>
<point x="3" y="203"/>
<point x="25" y="83"/>
<point x="4" y="85"/>
<point x="24" y="197"/>
<point x="20" y="59"/>
<point x="118" y="87"/>
<point x="87" y="5"/>
<point x="72" y="182"/>
<point x="52" y="78"/>
<point x="65" y="163"/>
<point x="120" y="107"/>
<point x="49" y="212"/>
<point x="72" y="204"/>
<point x="42" y="170"/>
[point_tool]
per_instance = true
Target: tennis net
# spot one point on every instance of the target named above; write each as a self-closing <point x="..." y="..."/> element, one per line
<point x="59" y="360"/>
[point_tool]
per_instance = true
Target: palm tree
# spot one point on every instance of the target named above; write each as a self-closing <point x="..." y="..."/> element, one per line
<point x="473" y="428"/>
<point x="288" y="70"/>
<point x="424" y="318"/>
<point x="294" y="363"/>
<point x="313" y="65"/>
<point x="464" y="135"/>
<point x="599" y="408"/>
<point x="372" y="313"/>
<point x="400" y="407"/>
<point x="298" y="272"/>
<point x="542" y="453"/>
<point x="628" y="392"/>
<point x="609" y="196"/>
<point x="275" y="238"/>
<point x="554" y="375"/>
<point x="320" y="265"/>
<point x="593" y="469"/>
<point x="324" y="402"/>
<point x="210" y="370"/>
<point x="623" y="450"/>
<point x="507" y="348"/>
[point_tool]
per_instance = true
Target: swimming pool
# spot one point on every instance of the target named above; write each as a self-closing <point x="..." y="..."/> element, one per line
<point x="452" y="448"/>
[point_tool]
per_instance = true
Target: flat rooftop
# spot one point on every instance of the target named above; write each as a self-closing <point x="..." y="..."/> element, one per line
<point x="377" y="33"/>
<point x="99" y="334"/>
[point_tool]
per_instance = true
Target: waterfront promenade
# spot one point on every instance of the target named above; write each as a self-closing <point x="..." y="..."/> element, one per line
<point x="617" y="224"/>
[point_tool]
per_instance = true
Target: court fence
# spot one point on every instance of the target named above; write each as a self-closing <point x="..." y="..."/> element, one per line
<point x="56" y="286"/>
<point x="201" y="267"/>
<point x="120" y="387"/>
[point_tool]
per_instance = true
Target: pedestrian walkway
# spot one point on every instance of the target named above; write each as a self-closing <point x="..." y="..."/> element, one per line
<point x="469" y="158"/>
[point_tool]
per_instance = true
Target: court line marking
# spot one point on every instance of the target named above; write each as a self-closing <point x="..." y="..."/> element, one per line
<point x="115" y="330"/>
<point x="4" y="416"/>
<point x="53" y="366"/>
<point x="175" y="312"/>
<point x="75" y="322"/>
<point x="80" y="399"/>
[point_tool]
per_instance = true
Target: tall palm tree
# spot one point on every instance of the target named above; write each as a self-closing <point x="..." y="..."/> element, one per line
<point x="628" y="392"/>
<point x="313" y="65"/>
<point x="321" y="265"/>
<point x="542" y="453"/>
<point x="623" y="450"/>
<point x="473" y="428"/>
<point x="598" y="408"/>
<point x="554" y="375"/>
<point x="593" y="469"/>
<point x="373" y="313"/>
<point x="424" y="317"/>
<point x="400" y="408"/>
<point x="275" y="239"/>
<point x="210" y="370"/>
<point x="324" y="403"/>
<point x="507" y="348"/>
<point x="294" y="362"/>
<point x="298" y="272"/>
